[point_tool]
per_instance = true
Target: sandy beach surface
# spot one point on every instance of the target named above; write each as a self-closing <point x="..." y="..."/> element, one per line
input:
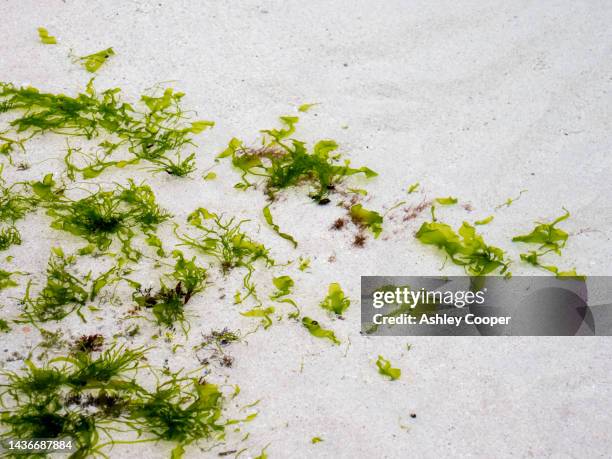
<point x="472" y="99"/>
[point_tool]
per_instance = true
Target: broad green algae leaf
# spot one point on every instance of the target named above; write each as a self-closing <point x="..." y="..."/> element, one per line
<point x="550" y="239"/>
<point x="447" y="201"/>
<point x="484" y="221"/>
<point x="385" y="368"/>
<point x="263" y="313"/>
<point x="317" y="331"/>
<point x="367" y="218"/>
<point x="93" y="62"/>
<point x="45" y="38"/>
<point x="335" y="301"/>
<point x="466" y="249"/>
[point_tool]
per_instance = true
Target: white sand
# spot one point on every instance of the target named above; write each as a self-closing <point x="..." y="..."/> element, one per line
<point x="474" y="99"/>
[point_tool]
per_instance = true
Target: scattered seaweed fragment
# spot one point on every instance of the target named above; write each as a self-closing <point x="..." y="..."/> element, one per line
<point x="263" y="313"/>
<point x="305" y="107"/>
<point x="414" y="187"/>
<point x="45" y="38"/>
<point x="71" y="397"/>
<point x="268" y="216"/>
<point x="6" y="280"/>
<point x="365" y="218"/>
<point x="449" y="201"/>
<point x="284" y="286"/>
<point x="335" y="301"/>
<point x="285" y="162"/>
<point x="508" y="202"/>
<point x="467" y="248"/>
<point x="550" y="239"/>
<point x="484" y="221"/>
<point x="92" y="62"/>
<point x="317" y="331"/>
<point x="385" y="368"/>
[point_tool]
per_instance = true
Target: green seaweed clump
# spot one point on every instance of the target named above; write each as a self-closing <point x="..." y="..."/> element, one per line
<point x="9" y="236"/>
<point x="550" y="239"/>
<point x="180" y="410"/>
<point x="466" y="249"/>
<point x="89" y="395"/>
<point x="15" y="204"/>
<point x="151" y="134"/>
<point x="224" y="240"/>
<point x="104" y="216"/>
<point x="5" y="279"/>
<point x="75" y="398"/>
<point x="335" y="301"/>
<point x="168" y="304"/>
<point x="63" y="293"/>
<point x="285" y="162"/>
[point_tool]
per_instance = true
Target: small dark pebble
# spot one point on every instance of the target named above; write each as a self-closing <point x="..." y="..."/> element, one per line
<point x="413" y="415"/>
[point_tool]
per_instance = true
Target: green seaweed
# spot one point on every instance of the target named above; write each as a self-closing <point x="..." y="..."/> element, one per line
<point x="547" y="235"/>
<point x="466" y="249"/>
<point x="180" y="410"/>
<point x="65" y="291"/>
<point x="105" y="216"/>
<point x="365" y="218"/>
<point x="414" y="187"/>
<point x="305" y="107"/>
<point x="385" y="368"/>
<point x="268" y="217"/>
<point x="484" y="221"/>
<point x="508" y="202"/>
<point x="223" y="240"/>
<point x="449" y="201"/>
<point x="86" y="397"/>
<point x="149" y="135"/>
<point x="92" y="62"/>
<point x="284" y="163"/>
<point x="15" y="203"/>
<point x="335" y="301"/>
<point x="4" y="326"/>
<point x="263" y="313"/>
<point x="550" y="239"/>
<point x="6" y="280"/>
<point x="9" y="236"/>
<point x="45" y="38"/>
<point x="168" y="304"/>
<point x="284" y="286"/>
<point x="317" y="331"/>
